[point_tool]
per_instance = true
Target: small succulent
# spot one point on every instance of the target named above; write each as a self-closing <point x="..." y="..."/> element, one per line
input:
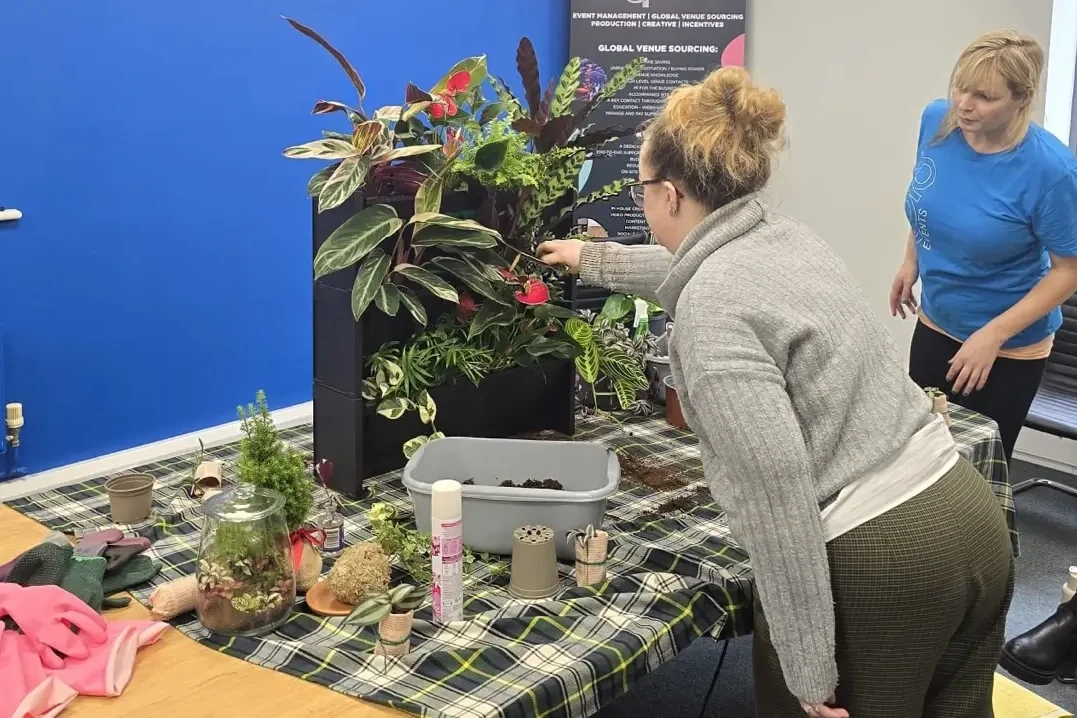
<point x="400" y="599"/>
<point x="582" y="536"/>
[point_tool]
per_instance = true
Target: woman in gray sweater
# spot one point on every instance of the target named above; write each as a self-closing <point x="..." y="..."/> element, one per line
<point x="882" y="560"/>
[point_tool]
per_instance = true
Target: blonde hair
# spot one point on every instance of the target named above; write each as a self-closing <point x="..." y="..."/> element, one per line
<point x="1002" y="54"/>
<point x="717" y="138"/>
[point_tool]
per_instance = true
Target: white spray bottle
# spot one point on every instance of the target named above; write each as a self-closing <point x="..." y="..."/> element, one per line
<point x="447" y="550"/>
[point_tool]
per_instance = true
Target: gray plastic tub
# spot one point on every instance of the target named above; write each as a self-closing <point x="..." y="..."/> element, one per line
<point x="588" y="472"/>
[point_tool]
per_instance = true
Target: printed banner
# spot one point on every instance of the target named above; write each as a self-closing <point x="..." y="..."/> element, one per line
<point x="682" y="41"/>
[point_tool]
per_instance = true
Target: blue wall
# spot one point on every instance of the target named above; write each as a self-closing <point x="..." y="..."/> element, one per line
<point x="162" y="271"/>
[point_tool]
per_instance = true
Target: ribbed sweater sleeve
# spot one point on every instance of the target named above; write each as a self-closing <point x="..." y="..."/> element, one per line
<point x="635" y="270"/>
<point x="741" y="407"/>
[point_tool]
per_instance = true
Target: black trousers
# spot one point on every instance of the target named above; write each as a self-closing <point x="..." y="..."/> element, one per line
<point x="1005" y="398"/>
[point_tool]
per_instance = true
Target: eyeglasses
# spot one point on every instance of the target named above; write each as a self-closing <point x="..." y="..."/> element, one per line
<point x="636" y="190"/>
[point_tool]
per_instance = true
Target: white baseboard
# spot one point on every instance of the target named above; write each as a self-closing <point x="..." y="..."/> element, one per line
<point x="146" y="454"/>
<point x="1046" y="450"/>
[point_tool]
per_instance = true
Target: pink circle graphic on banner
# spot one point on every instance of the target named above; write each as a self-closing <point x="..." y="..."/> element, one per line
<point x="733" y="54"/>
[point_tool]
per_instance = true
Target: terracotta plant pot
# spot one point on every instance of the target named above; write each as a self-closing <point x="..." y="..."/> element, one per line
<point x="130" y="497"/>
<point x="591" y="559"/>
<point x="673" y="406"/>
<point x="394" y="634"/>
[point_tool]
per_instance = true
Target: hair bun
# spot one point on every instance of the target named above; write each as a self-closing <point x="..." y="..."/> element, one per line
<point x="759" y="112"/>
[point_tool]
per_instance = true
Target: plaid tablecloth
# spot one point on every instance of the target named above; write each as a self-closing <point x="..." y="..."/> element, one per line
<point x="675" y="575"/>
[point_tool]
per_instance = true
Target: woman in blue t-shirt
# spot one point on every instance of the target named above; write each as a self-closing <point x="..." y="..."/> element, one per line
<point x="993" y="211"/>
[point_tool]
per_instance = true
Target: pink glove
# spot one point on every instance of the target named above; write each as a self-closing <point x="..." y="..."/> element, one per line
<point x="26" y="691"/>
<point x="45" y="614"/>
<point x="108" y="669"/>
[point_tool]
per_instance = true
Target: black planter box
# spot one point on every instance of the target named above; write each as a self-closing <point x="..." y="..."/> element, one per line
<point x="359" y="442"/>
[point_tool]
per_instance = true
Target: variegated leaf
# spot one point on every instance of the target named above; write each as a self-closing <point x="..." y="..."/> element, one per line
<point x="443" y="220"/>
<point x="401" y="152"/>
<point x="433" y="283"/>
<point x="324" y="149"/>
<point x="428" y="198"/>
<point x="365" y="136"/>
<point x="356" y="238"/>
<point x="428" y="410"/>
<point x="393" y="407"/>
<point x="347" y="178"/>
<point x="409" y="300"/>
<point x="474" y="279"/>
<point x="430" y="235"/>
<point x="388" y="299"/>
<point x="372" y="273"/>
<point x="314" y="186"/>
<point x="413" y="445"/>
<point x="489" y="315"/>
<point x="587" y="363"/>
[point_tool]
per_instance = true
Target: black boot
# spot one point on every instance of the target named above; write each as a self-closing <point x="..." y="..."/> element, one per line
<point x="1038" y="655"/>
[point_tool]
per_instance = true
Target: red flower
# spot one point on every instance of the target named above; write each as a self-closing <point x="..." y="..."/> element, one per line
<point x="443" y="105"/>
<point x="534" y="292"/>
<point x="468" y="306"/>
<point x="458" y="83"/>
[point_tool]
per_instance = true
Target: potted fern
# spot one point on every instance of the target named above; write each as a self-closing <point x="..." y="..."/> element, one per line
<point x="432" y="316"/>
<point x="392" y="612"/>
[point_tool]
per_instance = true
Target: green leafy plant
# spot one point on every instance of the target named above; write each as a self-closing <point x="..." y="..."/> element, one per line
<point x="265" y="461"/>
<point x="400" y="599"/>
<point x="608" y="355"/>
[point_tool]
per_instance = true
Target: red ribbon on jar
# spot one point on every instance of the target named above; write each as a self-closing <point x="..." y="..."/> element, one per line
<point x="315" y="537"/>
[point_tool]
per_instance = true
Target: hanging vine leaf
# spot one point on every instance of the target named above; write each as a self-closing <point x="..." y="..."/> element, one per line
<point x="527" y="65"/>
<point x="432" y="282"/>
<point x="428" y="410"/>
<point x="347" y="178"/>
<point x="393" y="407"/>
<point x="409" y="300"/>
<point x="565" y="93"/>
<point x="357" y="81"/>
<point x="388" y="298"/>
<point x="356" y="238"/>
<point x="371" y="274"/>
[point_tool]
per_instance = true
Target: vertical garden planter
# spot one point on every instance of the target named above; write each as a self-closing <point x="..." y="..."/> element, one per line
<point x="358" y="441"/>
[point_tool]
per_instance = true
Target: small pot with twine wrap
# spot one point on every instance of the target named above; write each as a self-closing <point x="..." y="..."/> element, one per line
<point x="591" y="546"/>
<point x="394" y="634"/>
<point x="306" y="559"/>
<point x="939" y="403"/>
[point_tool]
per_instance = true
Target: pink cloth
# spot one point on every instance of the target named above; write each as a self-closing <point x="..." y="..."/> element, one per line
<point x="98" y="661"/>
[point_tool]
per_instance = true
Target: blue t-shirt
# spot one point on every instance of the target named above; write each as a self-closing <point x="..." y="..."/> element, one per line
<point x="985" y="224"/>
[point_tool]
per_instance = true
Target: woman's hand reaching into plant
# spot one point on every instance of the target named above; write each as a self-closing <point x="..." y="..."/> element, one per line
<point x="564" y="252"/>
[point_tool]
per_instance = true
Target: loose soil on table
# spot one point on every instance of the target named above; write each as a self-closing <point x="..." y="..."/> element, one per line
<point x="680" y="503"/>
<point x="644" y="472"/>
<point x="544" y="435"/>
<point x="551" y="484"/>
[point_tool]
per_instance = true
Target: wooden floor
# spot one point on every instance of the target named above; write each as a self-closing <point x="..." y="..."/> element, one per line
<point x="178" y="676"/>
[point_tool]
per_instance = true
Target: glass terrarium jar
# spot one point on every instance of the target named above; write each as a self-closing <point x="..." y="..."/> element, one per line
<point x="246" y="581"/>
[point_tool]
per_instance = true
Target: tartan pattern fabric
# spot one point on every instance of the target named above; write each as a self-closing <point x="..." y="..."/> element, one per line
<point x="674" y="575"/>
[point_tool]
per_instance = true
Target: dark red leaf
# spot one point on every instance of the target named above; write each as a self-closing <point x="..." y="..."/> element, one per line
<point x="357" y="81"/>
<point x="413" y="95"/>
<point x="543" y="113"/>
<point x="527" y="126"/>
<point x="527" y="64"/>
<point x="324" y="470"/>
<point x="554" y="133"/>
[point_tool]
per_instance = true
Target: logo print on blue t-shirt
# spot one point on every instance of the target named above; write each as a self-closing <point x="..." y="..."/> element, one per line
<point x="922" y="180"/>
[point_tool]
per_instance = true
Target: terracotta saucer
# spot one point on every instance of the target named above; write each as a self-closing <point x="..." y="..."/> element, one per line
<point x="321" y="601"/>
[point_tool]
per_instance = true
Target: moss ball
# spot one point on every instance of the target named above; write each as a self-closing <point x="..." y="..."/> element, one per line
<point x="359" y="570"/>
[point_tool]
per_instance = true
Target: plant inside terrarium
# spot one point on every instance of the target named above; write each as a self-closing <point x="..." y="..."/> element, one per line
<point x="245" y="576"/>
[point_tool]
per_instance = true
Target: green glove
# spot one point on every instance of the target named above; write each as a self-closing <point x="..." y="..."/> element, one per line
<point x="135" y="572"/>
<point x="83" y="579"/>
<point x="43" y="565"/>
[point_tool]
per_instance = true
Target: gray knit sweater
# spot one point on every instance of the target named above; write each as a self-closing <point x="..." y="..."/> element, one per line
<point x="794" y="389"/>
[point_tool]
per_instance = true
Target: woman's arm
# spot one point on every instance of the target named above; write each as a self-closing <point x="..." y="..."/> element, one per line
<point x="744" y="416"/>
<point x="1054" y="289"/>
<point x="638" y="270"/>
